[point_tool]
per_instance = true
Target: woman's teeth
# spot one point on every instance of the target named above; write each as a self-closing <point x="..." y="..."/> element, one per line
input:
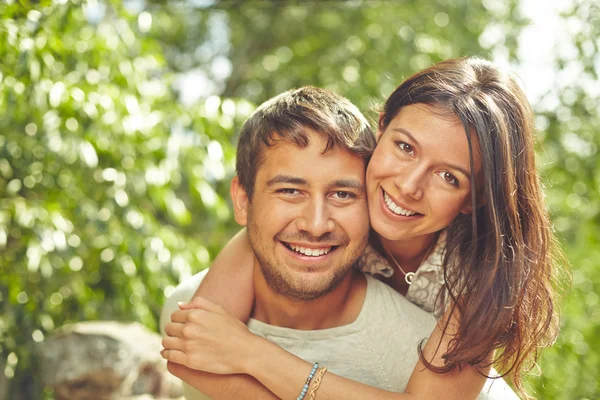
<point x="395" y="208"/>
<point x="310" y="252"/>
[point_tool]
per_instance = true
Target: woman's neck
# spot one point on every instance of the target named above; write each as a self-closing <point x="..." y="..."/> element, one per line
<point x="409" y="253"/>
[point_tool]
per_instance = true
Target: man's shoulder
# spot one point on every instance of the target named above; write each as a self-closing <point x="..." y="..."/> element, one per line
<point x="183" y="292"/>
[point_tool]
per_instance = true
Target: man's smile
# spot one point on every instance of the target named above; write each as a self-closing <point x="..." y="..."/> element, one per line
<point x="309" y="251"/>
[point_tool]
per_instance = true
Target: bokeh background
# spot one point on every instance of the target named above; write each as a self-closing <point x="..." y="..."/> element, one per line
<point x="117" y="137"/>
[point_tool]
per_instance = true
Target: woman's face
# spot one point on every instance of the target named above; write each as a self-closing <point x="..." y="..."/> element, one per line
<point x="419" y="177"/>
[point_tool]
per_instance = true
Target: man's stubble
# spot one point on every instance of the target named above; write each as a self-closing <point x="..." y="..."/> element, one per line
<point x="282" y="281"/>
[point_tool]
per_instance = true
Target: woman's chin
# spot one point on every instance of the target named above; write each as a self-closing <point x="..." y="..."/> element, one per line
<point x="386" y="230"/>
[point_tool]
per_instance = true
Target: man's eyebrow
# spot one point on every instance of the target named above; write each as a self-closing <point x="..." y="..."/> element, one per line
<point x="348" y="183"/>
<point x="292" y="180"/>
<point x="453" y="166"/>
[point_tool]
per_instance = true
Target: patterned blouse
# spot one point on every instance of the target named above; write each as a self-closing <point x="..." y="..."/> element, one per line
<point x="427" y="287"/>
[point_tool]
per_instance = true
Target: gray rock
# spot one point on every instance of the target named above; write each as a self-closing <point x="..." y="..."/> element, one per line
<point x="106" y="360"/>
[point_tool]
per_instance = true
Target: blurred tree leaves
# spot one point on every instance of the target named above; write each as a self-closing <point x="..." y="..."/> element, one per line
<point x="568" y="117"/>
<point x="111" y="192"/>
<point x="362" y="49"/>
<point x="117" y="133"/>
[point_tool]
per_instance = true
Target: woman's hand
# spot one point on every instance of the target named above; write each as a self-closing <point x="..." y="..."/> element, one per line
<point x="204" y="337"/>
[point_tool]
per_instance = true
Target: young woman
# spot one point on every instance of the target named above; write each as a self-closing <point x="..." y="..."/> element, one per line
<point x="459" y="227"/>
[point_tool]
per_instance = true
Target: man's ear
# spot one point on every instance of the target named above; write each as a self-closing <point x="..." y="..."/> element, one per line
<point x="239" y="197"/>
<point x="379" y="131"/>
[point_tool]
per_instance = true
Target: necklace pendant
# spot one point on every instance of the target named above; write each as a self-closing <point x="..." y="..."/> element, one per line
<point x="409" y="277"/>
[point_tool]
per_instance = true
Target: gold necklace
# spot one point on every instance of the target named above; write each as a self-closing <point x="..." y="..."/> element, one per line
<point x="410" y="276"/>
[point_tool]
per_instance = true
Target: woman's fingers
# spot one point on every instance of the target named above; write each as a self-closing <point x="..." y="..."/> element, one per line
<point x="203" y="304"/>
<point x="187" y="330"/>
<point x="197" y="317"/>
<point x="205" y="340"/>
<point x="183" y="316"/>
<point x="174" y="329"/>
<point x="175" y="356"/>
<point x="173" y="343"/>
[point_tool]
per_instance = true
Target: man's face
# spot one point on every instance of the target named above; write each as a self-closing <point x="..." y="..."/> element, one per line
<point x="307" y="220"/>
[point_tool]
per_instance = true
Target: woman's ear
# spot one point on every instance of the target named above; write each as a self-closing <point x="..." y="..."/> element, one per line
<point x="468" y="209"/>
<point x="481" y="201"/>
<point x="239" y="197"/>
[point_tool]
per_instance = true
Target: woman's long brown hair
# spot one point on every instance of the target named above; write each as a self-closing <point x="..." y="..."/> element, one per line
<point x="502" y="263"/>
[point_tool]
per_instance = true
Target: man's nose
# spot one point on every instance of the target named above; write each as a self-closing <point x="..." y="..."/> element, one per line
<point x="316" y="219"/>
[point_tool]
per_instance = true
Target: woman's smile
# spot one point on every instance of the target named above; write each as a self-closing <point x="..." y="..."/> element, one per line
<point x="418" y="179"/>
<point x="396" y="208"/>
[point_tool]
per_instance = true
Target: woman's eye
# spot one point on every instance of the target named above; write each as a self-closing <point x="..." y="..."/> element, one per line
<point x="407" y="148"/>
<point x="448" y="177"/>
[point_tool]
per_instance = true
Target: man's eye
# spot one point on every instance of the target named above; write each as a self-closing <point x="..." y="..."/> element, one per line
<point x="342" y="195"/>
<point x="289" y="191"/>
<point x="407" y="148"/>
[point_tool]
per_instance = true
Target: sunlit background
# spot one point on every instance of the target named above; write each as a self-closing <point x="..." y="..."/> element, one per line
<point x="117" y="139"/>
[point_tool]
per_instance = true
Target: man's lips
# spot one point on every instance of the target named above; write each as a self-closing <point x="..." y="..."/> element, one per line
<point x="310" y="251"/>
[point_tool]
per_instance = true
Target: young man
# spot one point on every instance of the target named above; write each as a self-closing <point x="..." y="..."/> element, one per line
<point x="300" y="192"/>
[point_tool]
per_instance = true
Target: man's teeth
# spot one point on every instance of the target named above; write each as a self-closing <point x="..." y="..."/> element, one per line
<point x="395" y="208"/>
<point x="310" y="252"/>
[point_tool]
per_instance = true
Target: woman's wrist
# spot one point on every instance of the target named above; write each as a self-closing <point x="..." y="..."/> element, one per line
<point x="256" y="352"/>
<point x="264" y="362"/>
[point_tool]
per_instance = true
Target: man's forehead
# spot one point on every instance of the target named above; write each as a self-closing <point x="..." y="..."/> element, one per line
<point x="290" y="163"/>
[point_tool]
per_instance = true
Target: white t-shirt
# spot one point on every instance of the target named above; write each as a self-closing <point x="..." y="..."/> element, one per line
<point x="379" y="348"/>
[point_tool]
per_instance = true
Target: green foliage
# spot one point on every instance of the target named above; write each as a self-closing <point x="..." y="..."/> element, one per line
<point x="569" y="164"/>
<point x="360" y="49"/>
<point x="110" y="191"/>
<point x="113" y="185"/>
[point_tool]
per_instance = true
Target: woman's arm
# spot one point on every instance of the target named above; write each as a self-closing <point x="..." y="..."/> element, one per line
<point x="222" y="387"/>
<point x="465" y="383"/>
<point x="267" y="359"/>
<point x="229" y="279"/>
<point x="202" y="336"/>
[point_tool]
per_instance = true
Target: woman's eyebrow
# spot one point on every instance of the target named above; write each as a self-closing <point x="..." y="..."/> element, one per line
<point x="459" y="169"/>
<point x="406" y="133"/>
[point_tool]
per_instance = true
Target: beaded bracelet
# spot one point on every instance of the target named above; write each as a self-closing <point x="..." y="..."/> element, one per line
<point x="317" y="382"/>
<point x="310" y="376"/>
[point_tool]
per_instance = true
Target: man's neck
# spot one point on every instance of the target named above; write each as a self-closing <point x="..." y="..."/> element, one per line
<point x="339" y="307"/>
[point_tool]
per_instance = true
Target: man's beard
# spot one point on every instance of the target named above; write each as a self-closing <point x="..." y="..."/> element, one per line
<point x="286" y="285"/>
<point x="278" y="276"/>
